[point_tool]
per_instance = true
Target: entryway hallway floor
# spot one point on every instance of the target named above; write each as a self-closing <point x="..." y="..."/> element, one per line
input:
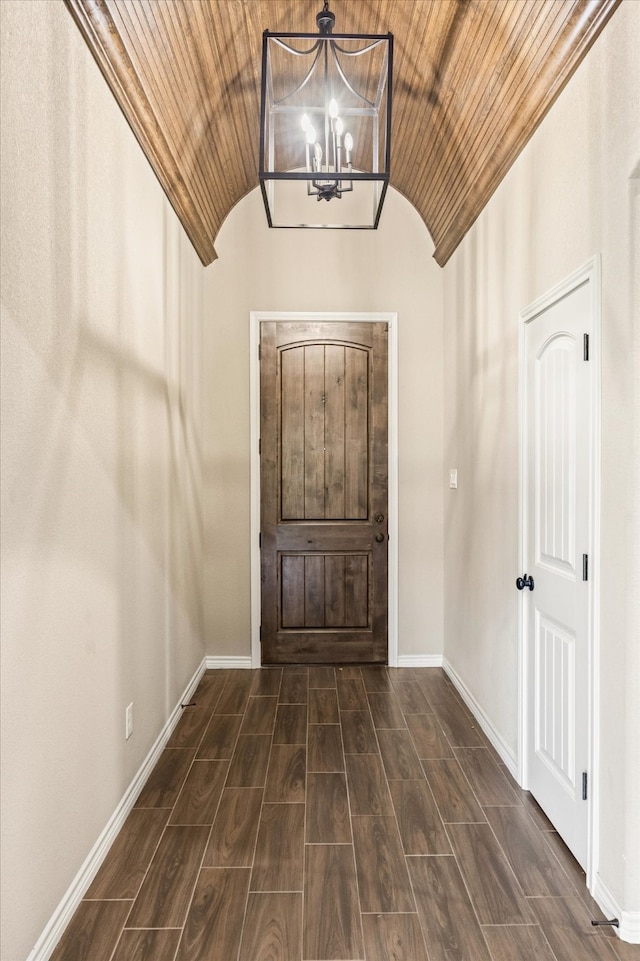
<point x="351" y="813"/>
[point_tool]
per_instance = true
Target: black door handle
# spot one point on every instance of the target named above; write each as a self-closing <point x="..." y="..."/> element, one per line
<point x="523" y="582"/>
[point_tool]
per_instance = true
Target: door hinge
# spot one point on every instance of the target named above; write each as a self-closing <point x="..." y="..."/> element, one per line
<point x="585" y="567"/>
<point x="584" y="785"/>
<point x="586" y="347"/>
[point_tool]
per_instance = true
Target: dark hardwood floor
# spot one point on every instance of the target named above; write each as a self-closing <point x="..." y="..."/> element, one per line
<point x="321" y="814"/>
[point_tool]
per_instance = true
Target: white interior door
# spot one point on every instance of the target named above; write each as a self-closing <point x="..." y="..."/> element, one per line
<point x="558" y="556"/>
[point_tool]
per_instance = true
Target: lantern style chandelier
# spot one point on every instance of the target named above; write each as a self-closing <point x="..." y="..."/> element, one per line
<point x="325" y="126"/>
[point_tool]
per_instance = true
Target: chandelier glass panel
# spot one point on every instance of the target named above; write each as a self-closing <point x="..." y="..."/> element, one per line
<point x="325" y="126"/>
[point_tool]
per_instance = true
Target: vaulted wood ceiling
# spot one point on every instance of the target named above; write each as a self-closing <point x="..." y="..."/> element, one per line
<point x="472" y="80"/>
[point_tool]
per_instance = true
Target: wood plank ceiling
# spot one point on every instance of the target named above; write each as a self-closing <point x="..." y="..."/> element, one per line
<point x="472" y="81"/>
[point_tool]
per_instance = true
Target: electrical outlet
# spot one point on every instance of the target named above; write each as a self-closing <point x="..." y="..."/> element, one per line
<point x="128" y="722"/>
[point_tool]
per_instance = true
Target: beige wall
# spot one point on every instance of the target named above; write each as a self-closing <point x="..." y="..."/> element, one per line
<point x="260" y="269"/>
<point x="568" y="197"/>
<point x="101" y="461"/>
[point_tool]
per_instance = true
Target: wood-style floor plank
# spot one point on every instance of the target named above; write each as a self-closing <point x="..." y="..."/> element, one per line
<point x="125" y="865"/>
<point x="452" y="792"/>
<point x="323" y="706"/>
<point x="461" y="728"/>
<point x="235" y="829"/>
<point x="376" y="679"/>
<point x="286" y="774"/>
<point x="567" y="926"/>
<point x="291" y="724"/>
<point x="220" y="737"/>
<point x="327" y="820"/>
<point x="325" y="748"/>
<point x="399" y="756"/>
<point x="351" y="694"/>
<point x="322" y="677"/>
<point x="332" y="929"/>
<point x="250" y="761"/>
<point x="166" y="779"/>
<point x="523" y="942"/>
<point x="209" y="689"/>
<point x="198" y="801"/>
<point x="166" y="891"/>
<point x="428" y="737"/>
<point x="266" y="681"/>
<point x="574" y="872"/>
<point x="534" y="810"/>
<point x="272" y="928"/>
<point x="383" y="880"/>
<point x="294" y="688"/>
<point x="93" y="931"/>
<point x="368" y="788"/>
<point x="537" y="870"/>
<point x="348" y="670"/>
<point x="495" y="892"/>
<point x="260" y="715"/>
<point x="449" y="923"/>
<point x="419" y="821"/>
<point x="358" y="734"/>
<point x="386" y="711"/>
<point x="190" y="728"/>
<point x="412" y="698"/>
<point x="439" y="691"/>
<point x="149" y="945"/>
<point x="485" y="776"/>
<point x="279" y="858"/>
<point x="393" y="937"/>
<point x="213" y="928"/>
<point x="235" y="693"/>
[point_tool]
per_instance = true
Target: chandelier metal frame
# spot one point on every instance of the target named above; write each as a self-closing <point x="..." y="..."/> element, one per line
<point x="330" y="163"/>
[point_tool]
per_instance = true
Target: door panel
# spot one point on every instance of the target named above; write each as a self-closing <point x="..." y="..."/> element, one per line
<point x="324" y="492"/>
<point x="324" y="590"/>
<point x="555" y="718"/>
<point x="556" y="617"/>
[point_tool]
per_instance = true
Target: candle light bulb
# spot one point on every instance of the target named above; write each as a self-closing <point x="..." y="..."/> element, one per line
<point x="333" y="109"/>
<point x="306" y="123"/>
<point x="311" y="134"/>
<point x="348" y="146"/>
<point x="339" y="126"/>
<point x="317" y="153"/>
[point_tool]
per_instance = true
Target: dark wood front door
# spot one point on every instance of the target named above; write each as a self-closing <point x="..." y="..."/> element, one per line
<point x="323" y="470"/>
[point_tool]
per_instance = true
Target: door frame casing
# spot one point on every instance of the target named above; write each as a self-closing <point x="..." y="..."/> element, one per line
<point x="588" y="273"/>
<point x="256" y="317"/>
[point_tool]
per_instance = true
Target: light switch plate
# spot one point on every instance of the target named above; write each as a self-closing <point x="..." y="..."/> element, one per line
<point x="453" y="477"/>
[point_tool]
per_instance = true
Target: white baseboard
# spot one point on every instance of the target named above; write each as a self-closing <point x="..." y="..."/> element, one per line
<point x="214" y="663"/>
<point x="496" y="739"/>
<point x="62" y="915"/>
<point x="629" y="929"/>
<point x="420" y="660"/>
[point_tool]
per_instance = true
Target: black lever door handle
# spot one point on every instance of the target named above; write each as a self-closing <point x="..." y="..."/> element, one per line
<point x="523" y="582"/>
